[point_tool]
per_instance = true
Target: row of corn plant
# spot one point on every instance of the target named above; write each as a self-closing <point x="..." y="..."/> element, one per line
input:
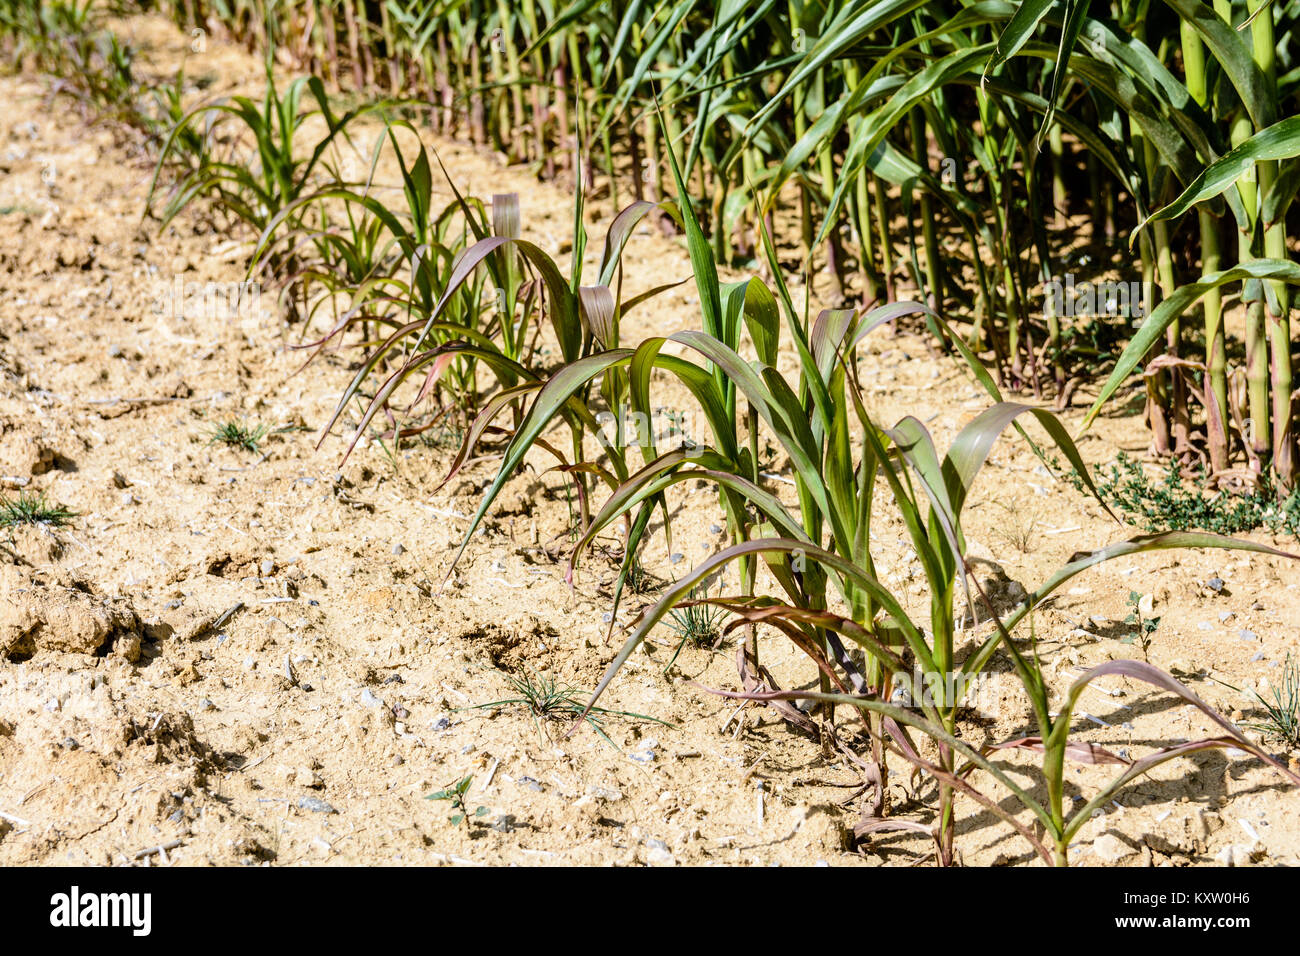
<point x="70" y="40"/>
<point x="1122" y="100"/>
<point x="380" y="267"/>
<point x="340" y="248"/>
<point x="526" y="290"/>
<point x="444" y="292"/>
<point x="245" y="158"/>
<point x="818" y="550"/>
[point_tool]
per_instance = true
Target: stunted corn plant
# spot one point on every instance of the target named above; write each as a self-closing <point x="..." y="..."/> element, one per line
<point x="386" y="267"/>
<point x="443" y="308"/>
<point x="69" y="40"/>
<point x="263" y="171"/>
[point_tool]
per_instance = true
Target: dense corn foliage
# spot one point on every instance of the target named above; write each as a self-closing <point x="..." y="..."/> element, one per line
<point x="964" y="150"/>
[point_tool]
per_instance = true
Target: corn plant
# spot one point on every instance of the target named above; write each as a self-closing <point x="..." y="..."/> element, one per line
<point x="252" y="189"/>
<point x="622" y="376"/>
<point x="42" y="32"/>
<point x="1057" y="823"/>
<point x="69" y="40"/>
<point x="983" y="121"/>
<point x="1269" y="278"/>
<point x="442" y="307"/>
<point x="889" y="130"/>
<point x="388" y="266"/>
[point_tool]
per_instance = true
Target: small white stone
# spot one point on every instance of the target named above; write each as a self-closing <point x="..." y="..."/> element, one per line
<point x="1110" y="848"/>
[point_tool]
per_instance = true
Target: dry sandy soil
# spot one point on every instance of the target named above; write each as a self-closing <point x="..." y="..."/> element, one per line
<point x="309" y="725"/>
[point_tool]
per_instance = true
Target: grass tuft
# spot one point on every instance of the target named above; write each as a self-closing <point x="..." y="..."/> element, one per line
<point x="639" y="580"/>
<point x="699" y="625"/>
<point x="238" y="435"/>
<point x="1283" y="710"/>
<point x="546" y="698"/>
<point x="33" y="509"/>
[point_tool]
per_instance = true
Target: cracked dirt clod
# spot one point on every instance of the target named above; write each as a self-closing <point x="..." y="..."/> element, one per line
<point x="38" y="616"/>
<point x="23" y="454"/>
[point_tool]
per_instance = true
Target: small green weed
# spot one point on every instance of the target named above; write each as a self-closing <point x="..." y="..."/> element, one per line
<point x="544" y="697"/>
<point x="239" y="435"/>
<point x="455" y="795"/>
<point x="1179" y="502"/>
<point x="1143" y="628"/>
<point x="1283" y="721"/>
<point x="699" y="625"/>
<point x="33" y="509"/>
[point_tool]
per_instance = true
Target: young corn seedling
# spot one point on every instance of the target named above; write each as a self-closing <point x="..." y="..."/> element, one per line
<point x="89" y="63"/>
<point x="191" y="149"/>
<point x="829" y="544"/>
<point x="623" y="376"/>
<point x="584" y="320"/>
<point x="891" y="129"/>
<point x="390" y="266"/>
<point x="349" y="260"/>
